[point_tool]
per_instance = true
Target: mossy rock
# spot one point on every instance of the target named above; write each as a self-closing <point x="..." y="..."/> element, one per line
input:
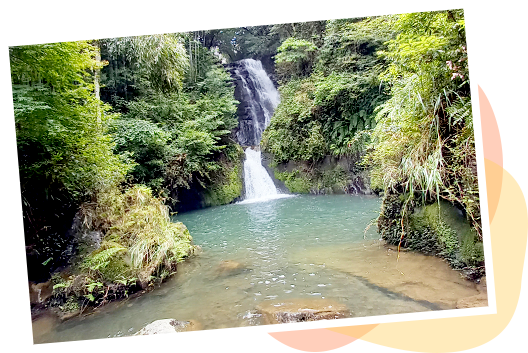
<point x="316" y="181"/>
<point x="226" y="189"/>
<point x="438" y="229"/>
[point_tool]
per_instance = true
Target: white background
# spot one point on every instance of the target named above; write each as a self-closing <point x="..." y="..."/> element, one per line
<point x="496" y="34"/>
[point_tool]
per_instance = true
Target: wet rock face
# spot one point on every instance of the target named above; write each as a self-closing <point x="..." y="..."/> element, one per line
<point x="168" y="326"/>
<point x="245" y="132"/>
<point x="40" y="293"/>
<point x="256" y="106"/>
<point x="300" y="310"/>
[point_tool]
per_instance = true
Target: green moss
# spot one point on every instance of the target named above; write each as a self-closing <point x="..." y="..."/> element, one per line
<point x="226" y="189"/>
<point x="435" y="229"/>
<point x="430" y="221"/>
<point x="316" y="181"/>
<point x="472" y="251"/>
<point x="295" y="181"/>
<point x="335" y="178"/>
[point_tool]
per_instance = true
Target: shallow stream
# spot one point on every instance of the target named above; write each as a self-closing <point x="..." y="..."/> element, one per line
<point x="302" y="247"/>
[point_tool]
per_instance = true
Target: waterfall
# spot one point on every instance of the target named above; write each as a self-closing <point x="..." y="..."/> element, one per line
<point x="257" y="181"/>
<point x="259" y="98"/>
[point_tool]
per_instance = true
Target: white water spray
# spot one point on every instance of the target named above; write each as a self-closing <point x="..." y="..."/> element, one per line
<point x="257" y="181"/>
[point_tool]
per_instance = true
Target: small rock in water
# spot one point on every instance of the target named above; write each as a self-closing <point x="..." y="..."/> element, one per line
<point x="168" y="326"/>
<point x="299" y="310"/>
<point x="250" y="315"/>
<point x="230" y="267"/>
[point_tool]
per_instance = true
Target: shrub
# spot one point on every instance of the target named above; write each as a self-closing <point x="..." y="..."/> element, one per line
<point x="140" y="245"/>
<point x="295" y="58"/>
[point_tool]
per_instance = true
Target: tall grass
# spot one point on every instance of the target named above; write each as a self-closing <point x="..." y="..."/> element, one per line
<point x="140" y="244"/>
<point x="423" y="143"/>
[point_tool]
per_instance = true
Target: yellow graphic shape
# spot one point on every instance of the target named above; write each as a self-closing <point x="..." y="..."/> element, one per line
<point x="508" y="238"/>
<point x="494" y="185"/>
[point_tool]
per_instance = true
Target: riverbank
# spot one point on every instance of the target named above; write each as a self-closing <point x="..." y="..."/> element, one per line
<point x="416" y="281"/>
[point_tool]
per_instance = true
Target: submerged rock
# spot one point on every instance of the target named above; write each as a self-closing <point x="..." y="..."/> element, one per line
<point x="229" y="267"/>
<point x="300" y="310"/>
<point x="168" y="326"/>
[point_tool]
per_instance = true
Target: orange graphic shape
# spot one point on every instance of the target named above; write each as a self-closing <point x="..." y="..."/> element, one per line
<point x="494" y="175"/>
<point x="435" y="336"/>
<point x="508" y="238"/>
<point x="354" y="331"/>
<point x="490" y="130"/>
<point x="509" y="228"/>
<point x="491" y="122"/>
<point x="317" y="340"/>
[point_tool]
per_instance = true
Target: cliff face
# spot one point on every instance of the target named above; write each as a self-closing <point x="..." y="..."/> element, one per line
<point x="244" y="132"/>
<point x="331" y="175"/>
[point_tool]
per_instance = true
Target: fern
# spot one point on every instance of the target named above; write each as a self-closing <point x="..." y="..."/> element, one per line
<point x="102" y="258"/>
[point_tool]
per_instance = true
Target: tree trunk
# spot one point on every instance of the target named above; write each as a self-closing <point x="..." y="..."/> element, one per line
<point x="97" y="78"/>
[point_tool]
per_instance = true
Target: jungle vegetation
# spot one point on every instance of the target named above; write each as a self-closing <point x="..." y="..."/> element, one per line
<point x="109" y="132"/>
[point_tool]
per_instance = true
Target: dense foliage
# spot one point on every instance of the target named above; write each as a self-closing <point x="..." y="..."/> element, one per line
<point x="424" y="140"/>
<point x="176" y="136"/>
<point x="65" y="156"/>
<point x="89" y="169"/>
<point x="294" y="58"/>
<point x="330" y="107"/>
<point x="423" y="144"/>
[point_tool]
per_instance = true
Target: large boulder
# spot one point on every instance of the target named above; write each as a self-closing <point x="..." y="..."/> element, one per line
<point x="300" y="310"/>
<point x="168" y="326"/>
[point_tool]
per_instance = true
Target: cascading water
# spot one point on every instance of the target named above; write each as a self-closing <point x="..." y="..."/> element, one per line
<point x="259" y="99"/>
<point x="256" y="179"/>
